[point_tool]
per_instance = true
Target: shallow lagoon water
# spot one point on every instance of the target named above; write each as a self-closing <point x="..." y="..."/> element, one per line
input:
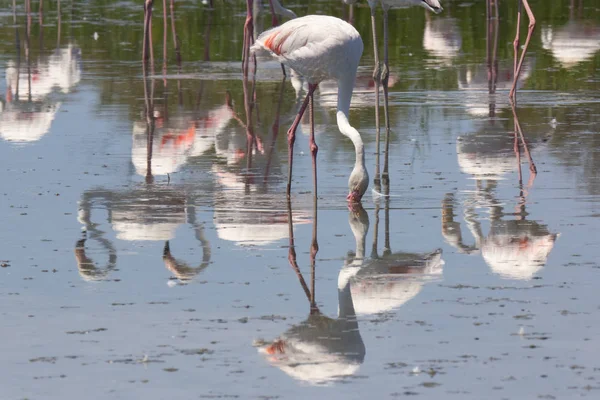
<point x="121" y="283"/>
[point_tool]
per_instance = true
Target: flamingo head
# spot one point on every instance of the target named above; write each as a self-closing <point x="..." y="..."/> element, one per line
<point x="432" y="5"/>
<point x="357" y="184"/>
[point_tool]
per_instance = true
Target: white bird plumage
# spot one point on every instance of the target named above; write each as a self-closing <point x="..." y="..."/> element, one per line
<point x="322" y="47"/>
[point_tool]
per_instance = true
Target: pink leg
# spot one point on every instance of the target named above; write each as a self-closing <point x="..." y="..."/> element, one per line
<point x="292" y="253"/>
<point x="314" y="149"/>
<point x="527" y="40"/>
<point x="165" y="27"/>
<point x="519" y="131"/>
<point x="516" y="42"/>
<point x="175" y="40"/>
<point x="292" y="136"/>
<point x="314" y="249"/>
<point x="147" y="27"/>
<point x="150" y="46"/>
<point x="248" y="36"/>
<point x="274" y="130"/>
<point x="517" y="153"/>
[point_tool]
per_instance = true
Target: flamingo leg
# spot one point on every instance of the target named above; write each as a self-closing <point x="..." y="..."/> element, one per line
<point x="376" y="78"/>
<point x="274" y="129"/>
<point x="314" y="149"/>
<point x="250" y="137"/>
<point x="292" y="135"/>
<point x="495" y="48"/>
<point x="519" y="131"/>
<point x="530" y="29"/>
<point x="150" y="46"/>
<point x="516" y="43"/>
<point x="292" y="253"/>
<point x="165" y="28"/>
<point x="147" y="17"/>
<point x="248" y="36"/>
<point x="376" y="231"/>
<point x="314" y="249"/>
<point x="41" y="22"/>
<point x="174" y="33"/>
<point x="384" y="81"/>
<point x="58" y="23"/>
<point x="517" y="151"/>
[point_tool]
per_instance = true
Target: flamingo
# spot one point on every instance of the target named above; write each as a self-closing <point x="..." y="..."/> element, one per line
<point x="321" y="47"/>
<point x="320" y="350"/>
<point x="381" y="75"/>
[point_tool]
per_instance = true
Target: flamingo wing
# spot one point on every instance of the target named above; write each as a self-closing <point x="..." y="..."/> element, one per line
<point x="314" y="45"/>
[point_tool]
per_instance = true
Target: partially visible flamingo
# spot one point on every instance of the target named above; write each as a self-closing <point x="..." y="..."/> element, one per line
<point x="321" y="47"/>
<point x="381" y="74"/>
<point x="252" y="9"/>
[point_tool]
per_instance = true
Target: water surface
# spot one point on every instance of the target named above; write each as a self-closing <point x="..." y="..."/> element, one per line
<point x="155" y="263"/>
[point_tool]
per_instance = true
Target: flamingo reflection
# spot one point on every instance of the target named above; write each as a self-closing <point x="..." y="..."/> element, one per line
<point x="87" y="267"/>
<point x="179" y="137"/>
<point x="320" y="350"/>
<point x="442" y="38"/>
<point x="150" y="211"/>
<point x="493" y="75"/>
<point x="250" y="205"/>
<point x="384" y="282"/>
<point x="27" y="112"/>
<point x="573" y="43"/>
<point x="514" y="248"/>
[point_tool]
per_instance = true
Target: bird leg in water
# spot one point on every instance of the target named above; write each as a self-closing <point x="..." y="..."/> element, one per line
<point x="248" y="36"/>
<point x="517" y="151"/>
<point x="147" y="18"/>
<point x="384" y="81"/>
<point x="519" y="131"/>
<point x="516" y="42"/>
<point x="174" y="33"/>
<point x="376" y="78"/>
<point x="250" y="137"/>
<point x="527" y="40"/>
<point x="292" y="135"/>
<point x="165" y="28"/>
<point x="314" y="249"/>
<point x="274" y="129"/>
<point x="314" y="149"/>
<point x="292" y="253"/>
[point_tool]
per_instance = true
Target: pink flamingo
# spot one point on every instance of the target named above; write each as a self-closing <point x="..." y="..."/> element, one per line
<point x="321" y="47"/>
<point x="276" y="9"/>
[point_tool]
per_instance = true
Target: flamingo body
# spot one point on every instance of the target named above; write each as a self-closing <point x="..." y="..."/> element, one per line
<point x="318" y="47"/>
<point x="321" y="47"/>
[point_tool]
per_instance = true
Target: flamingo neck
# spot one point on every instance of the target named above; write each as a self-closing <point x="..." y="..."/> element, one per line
<point x="345" y="87"/>
<point x="281" y="10"/>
